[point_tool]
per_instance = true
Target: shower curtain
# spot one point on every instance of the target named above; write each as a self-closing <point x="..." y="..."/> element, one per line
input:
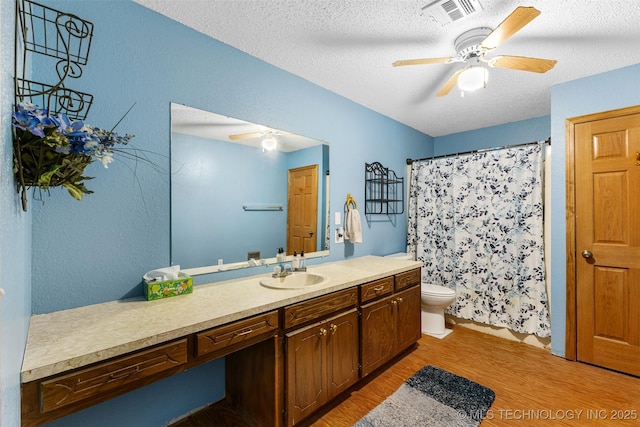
<point x="476" y="223"/>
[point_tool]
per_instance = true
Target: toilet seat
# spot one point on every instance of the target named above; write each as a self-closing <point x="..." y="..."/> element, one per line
<point x="436" y="290"/>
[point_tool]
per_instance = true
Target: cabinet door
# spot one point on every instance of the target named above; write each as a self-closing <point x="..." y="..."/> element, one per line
<point x="377" y="334"/>
<point x="342" y="352"/>
<point x="408" y="317"/>
<point x="306" y="371"/>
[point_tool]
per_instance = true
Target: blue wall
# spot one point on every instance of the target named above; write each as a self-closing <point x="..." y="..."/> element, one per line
<point x="520" y="132"/>
<point x="97" y="249"/>
<point x="15" y="242"/>
<point x="207" y="188"/>
<point x="66" y="253"/>
<point x="602" y="92"/>
<point x="112" y="237"/>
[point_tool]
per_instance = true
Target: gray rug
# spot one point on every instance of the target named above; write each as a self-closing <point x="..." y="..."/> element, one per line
<point x="432" y="397"/>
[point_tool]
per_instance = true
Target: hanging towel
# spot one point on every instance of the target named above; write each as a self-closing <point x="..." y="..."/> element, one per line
<point x="353" y="226"/>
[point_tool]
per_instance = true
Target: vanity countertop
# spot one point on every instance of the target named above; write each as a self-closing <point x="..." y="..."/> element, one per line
<point x="68" y="339"/>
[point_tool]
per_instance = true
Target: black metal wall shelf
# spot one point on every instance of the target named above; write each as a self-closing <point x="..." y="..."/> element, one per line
<point x="383" y="190"/>
<point x="61" y="37"/>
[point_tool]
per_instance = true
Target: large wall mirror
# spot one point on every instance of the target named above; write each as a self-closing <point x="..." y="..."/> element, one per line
<point x="240" y="191"/>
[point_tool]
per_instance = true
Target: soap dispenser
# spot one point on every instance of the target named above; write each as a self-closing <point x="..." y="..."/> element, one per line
<point x="295" y="264"/>
<point x="280" y="257"/>
<point x="301" y="262"/>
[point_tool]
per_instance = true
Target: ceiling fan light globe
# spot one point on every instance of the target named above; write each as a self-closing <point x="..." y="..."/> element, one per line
<point x="269" y="143"/>
<point x="473" y="78"/>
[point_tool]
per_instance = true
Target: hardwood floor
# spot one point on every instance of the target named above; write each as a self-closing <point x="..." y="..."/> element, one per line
<point x="533" y="387"/>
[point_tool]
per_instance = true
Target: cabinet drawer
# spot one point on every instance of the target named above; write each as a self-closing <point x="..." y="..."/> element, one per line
<point x="407" y="279"/>
<point x="238" y="334"/>
<point x="376" y="289"/>
<point x="316" y="308"/>
<point x="108" y="376"/>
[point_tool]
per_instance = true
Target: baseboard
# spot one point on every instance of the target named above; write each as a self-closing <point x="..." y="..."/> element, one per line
<point x="533" y="340"/>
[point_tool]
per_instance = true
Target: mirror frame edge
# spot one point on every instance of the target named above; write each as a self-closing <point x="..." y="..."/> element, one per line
<point x="198" y="271"/>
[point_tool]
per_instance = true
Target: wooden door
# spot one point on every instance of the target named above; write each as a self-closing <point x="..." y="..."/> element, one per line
<point x="306" y="372"/>
<point x="342" y="352"/>
<point x="408" y="307"/>
<point x="302" y="216"/>
<point x="377" y="334"/>
<point x="607" y="190"/>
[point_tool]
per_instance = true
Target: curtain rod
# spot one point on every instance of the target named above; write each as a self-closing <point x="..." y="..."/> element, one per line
<point x="442" y="156"/>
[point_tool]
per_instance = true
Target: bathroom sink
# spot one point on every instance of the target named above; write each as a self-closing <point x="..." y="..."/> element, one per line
<point x="294" y="281"/>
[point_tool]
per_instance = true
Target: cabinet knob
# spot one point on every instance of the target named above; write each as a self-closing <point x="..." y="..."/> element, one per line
<point x="399" y="299"/>
<point x="333" y="328"/>
<point x="323" y="332"/>
<point x="394" y="302"/>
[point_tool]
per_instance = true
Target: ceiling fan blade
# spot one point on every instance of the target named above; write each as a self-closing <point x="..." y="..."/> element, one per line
<point x="422" y="61"/>
<point x="522" y="63"/>
<point x="246" y="135"/>
<point x="520" y="17"/>
<point x="446" y="88"/>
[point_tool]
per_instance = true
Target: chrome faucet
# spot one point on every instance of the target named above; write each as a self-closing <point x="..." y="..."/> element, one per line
<point x="282" y="270"/>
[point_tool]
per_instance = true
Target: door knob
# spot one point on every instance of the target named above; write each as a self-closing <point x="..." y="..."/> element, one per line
<point x="587" y="254"/>
<point x="311" y="234"/>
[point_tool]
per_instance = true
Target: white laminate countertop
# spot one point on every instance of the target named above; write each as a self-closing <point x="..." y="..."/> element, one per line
<point x="68" y="339"/>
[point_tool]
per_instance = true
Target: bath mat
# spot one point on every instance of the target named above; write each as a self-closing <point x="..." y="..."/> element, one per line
<point x="432" y="397"/>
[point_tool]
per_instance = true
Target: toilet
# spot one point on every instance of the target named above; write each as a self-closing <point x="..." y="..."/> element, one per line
<point x="434" y="300"/>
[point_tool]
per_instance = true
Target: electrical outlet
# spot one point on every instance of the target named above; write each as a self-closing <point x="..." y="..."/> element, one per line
<point x="339" y="235"/>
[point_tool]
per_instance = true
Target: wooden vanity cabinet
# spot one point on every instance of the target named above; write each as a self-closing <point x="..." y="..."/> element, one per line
<point x="408" y="279"/>
<point x="53" y="397"/>
<point x="390" y="324"/>
<point x="407" y="318"/>
<point x="226" y="339"/>
<point x="322" y="357"/>
<point x="281" y="366"/>
<point x="50" y="398"/>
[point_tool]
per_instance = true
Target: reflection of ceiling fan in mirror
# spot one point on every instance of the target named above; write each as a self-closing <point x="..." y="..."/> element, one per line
<point x="268" y="136"/>
<point x="473" y="45"/>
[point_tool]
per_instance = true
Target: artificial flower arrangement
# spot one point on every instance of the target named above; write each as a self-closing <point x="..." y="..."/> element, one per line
<point x="51" y="151"/>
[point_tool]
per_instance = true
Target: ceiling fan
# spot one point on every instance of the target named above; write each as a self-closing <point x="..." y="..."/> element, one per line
<point x="262" y="134"/>
<point x="268" y="136"/>
<point x="474" y="44"/>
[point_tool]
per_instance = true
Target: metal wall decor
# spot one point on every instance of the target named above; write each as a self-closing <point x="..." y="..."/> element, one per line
<point x="383" y="190"/>
<point x="66" y="40"/>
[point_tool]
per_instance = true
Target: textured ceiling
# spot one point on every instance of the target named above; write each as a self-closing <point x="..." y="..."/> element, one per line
<point x="348" y="47"/>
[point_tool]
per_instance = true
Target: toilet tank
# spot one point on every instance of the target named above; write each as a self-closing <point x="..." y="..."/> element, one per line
<point x="401" y="255"/>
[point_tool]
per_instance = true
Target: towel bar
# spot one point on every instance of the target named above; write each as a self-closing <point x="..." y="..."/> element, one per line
<point x="262" y="207"/>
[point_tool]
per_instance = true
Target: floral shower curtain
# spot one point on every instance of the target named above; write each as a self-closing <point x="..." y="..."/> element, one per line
<point x="475" y="222"/>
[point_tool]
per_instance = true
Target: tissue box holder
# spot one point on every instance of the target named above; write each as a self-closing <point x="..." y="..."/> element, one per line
<point x="168" y="288"/>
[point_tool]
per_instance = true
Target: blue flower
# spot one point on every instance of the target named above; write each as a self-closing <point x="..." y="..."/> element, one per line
<point x="57" y="149"/>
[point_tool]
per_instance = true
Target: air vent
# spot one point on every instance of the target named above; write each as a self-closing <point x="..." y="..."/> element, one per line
<point x="446" y="11"/>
